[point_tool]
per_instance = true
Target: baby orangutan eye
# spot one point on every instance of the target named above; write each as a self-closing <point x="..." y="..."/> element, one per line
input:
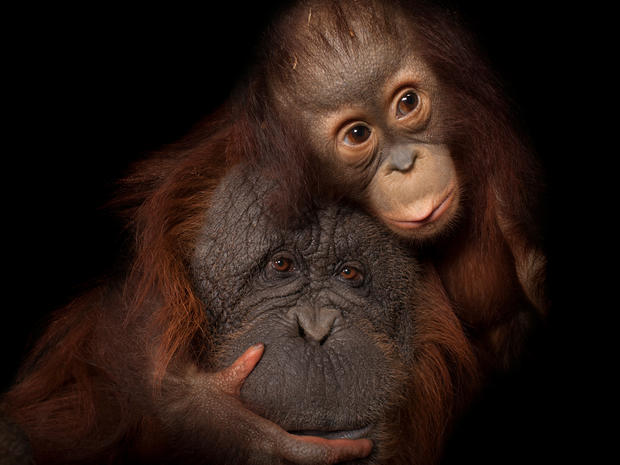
<point x="357" y="135"/>
<point x="407" y="103"/>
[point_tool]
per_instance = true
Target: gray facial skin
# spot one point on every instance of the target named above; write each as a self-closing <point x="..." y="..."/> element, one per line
<point x="330" y="298"/>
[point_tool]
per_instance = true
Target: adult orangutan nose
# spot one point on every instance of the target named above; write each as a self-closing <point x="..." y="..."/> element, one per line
<point x="314" y="324"/>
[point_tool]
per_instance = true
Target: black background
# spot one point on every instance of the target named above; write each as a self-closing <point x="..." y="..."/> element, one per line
<point x="91" y="89"/>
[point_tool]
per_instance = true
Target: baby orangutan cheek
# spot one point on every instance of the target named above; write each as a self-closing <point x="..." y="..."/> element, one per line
<point x="420" y="201"/>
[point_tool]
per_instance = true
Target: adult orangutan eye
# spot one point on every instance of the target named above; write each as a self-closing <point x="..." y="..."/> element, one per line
<point x="407" y="102"/>
<point x="282" y="264"/>
<point x="358" y="134"/>
<point x="351" y="274"/>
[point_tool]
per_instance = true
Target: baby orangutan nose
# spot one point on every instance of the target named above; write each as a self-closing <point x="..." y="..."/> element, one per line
<point x="314" y="324"/>
<point x="403" y="159"/>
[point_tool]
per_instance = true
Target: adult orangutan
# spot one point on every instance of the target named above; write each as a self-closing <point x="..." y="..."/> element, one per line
<point x="349" y="347"/>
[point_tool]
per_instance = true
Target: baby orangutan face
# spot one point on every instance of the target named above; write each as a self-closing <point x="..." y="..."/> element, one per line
<point x="374" y="117"/>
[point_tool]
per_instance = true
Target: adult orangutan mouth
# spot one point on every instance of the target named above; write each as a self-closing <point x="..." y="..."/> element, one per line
<point x="338" y="434"/>
<point x="433" y="215"/>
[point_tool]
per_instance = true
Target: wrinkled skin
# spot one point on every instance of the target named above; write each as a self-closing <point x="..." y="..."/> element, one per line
<point x="333" y="322"/>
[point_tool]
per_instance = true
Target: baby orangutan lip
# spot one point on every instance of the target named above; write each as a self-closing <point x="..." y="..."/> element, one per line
<point x="432" y="216"/>
<point x="336" y="434"/>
